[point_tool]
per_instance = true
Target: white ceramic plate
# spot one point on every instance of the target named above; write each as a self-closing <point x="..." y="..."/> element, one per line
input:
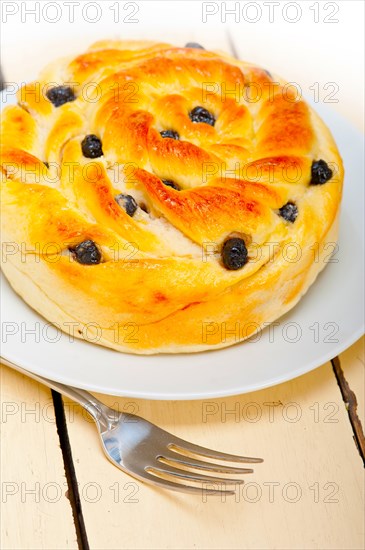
<point x="326" y="321"/>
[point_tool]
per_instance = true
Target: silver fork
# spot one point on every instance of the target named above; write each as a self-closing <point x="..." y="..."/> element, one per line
<point x="149" y="453"/>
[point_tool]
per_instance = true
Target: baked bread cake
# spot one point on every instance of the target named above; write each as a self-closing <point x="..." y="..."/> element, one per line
<point x="164" y="199"/>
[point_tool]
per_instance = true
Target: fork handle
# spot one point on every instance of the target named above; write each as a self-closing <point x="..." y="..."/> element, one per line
<point x="97" y="409"/>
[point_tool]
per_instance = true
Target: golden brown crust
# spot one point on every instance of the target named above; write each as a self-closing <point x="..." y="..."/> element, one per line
<point x="161" y="285"/>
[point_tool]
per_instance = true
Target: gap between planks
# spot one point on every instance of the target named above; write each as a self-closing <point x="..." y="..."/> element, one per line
<point x="350" y="400"/>
<point x="73" y="490"/>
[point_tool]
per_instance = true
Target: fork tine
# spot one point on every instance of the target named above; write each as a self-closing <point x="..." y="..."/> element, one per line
<point x="167" y="484"/>
<point x="189" y="476"/>
<point x="183" y="447"/>
<point x="200" y="465"/>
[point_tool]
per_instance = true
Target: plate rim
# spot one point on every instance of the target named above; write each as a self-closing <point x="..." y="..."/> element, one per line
<point x="195" y="397"/>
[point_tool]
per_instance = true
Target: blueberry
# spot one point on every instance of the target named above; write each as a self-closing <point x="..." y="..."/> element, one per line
<point x="60" y="95"/>
<point x="289" y="212"/>
<point x="234" y="253"/>
<point x="87" y="253"/>
<point x="127" y="202"/>
<point x="172" y="184"/>
<point x="91" y="147"/>
<point x="199" y="114"/>
<point x="170" y="134"/>
<point x="320" y="172"/>
<point x="194" y="45"/>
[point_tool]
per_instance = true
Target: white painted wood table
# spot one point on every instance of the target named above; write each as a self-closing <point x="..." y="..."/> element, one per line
<point x="308" y="494"/>
<point x="58" y="491"/>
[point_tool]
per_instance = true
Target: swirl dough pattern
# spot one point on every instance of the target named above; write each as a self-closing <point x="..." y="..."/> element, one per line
<point x="164" y="199"/>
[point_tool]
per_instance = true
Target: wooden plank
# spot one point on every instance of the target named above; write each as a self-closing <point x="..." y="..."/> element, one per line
<point x="35" y="511"/>
<point x="307" y="494"/>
